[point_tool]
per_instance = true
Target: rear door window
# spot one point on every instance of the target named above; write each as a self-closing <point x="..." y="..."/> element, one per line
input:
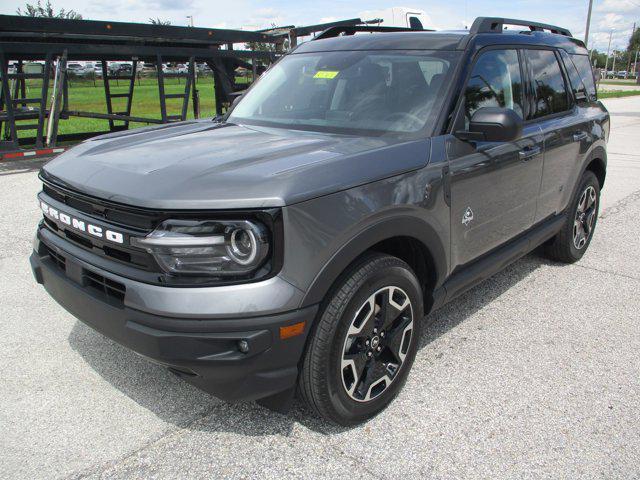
<point x="548" y="86"/>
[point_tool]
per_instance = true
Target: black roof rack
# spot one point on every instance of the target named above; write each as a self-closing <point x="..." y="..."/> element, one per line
<point x="496" y="24"/>
<point x="352" y="29"/>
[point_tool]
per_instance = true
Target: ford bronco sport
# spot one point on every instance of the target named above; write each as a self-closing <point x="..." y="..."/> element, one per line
<point x="296" y="244"/>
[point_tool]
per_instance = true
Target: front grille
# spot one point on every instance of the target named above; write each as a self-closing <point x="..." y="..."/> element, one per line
<point x="57" y="259"/>
<point x="108" y="212"/>
<point x="134" y="224"/>
<point x="110" y="288"/>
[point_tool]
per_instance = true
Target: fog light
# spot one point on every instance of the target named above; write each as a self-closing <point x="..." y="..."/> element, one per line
<point x="243" y="346"/>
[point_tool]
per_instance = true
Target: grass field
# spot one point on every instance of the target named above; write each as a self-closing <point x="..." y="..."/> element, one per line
<point x="86" y="96"/>
<point x="618" y="94"/>
<point x="618" y="82"/>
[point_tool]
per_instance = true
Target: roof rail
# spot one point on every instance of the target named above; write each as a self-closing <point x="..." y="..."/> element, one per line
<point x="352" y="29"/>
<point x="496" y="24"/>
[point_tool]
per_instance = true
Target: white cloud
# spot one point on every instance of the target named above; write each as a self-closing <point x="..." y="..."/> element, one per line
<point x="617" y="6"/>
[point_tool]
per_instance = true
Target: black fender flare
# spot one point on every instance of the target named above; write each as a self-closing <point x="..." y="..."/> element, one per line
<point x="397" y="226"/>
<point x="599" y="152"/>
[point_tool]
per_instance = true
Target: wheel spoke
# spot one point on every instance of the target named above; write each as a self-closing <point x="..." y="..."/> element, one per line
<point x="591" y="197"/>
<point x="395" y="339"/>
<point x="364" y="321"/>
<point x="582" y="205"/>
<point x="374" y="373"/>
<point x="356" y="362"/>
<point x="398" y="303"/>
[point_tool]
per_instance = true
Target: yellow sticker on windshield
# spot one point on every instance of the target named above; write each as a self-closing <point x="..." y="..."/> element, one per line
<point x="329" y="74"/>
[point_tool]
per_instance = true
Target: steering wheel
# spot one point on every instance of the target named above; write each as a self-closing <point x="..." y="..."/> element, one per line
<point x="404" y="116"/>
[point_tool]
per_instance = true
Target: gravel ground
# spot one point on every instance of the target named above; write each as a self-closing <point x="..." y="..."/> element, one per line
<point x="534" y="373"/>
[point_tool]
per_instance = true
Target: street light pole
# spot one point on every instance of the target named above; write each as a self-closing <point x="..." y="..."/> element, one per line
<point x="190" y="17"/>
<point x="586" y="30"/>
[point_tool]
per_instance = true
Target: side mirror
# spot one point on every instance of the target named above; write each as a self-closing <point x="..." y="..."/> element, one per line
<point x="490" y="124"/>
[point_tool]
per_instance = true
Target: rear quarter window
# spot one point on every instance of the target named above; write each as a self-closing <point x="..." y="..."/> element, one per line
<point x="583" y="66"/>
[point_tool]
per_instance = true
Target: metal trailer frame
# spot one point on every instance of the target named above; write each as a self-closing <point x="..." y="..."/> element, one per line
<point x="58" y="41"/>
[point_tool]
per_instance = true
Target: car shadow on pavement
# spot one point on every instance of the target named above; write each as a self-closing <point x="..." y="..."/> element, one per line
<point x="174" y="401"/>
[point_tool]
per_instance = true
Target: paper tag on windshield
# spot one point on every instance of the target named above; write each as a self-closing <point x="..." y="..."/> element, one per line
<point x="328" y="74"/>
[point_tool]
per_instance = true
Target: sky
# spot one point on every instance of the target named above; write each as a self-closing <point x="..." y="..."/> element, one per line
<point x="608" y="15"/>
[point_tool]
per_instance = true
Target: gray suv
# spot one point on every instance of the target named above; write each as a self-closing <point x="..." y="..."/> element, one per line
<point x="296" y="245"/>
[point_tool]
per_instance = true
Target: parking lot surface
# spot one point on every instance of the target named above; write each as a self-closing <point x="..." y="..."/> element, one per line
<point x="534" y="373"/>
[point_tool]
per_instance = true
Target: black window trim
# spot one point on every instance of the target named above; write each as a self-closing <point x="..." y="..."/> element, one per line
<point x="567" y="91"/>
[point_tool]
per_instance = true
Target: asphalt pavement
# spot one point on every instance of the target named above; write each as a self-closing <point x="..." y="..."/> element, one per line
<point x="533" y="374"/>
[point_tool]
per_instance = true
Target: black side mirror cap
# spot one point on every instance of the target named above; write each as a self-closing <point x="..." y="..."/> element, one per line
<point x="491" y="124"/>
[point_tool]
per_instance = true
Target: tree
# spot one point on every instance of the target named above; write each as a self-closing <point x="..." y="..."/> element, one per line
<point x="158" y="21"/>
<point x="598" y="59"/>
<point x="47" y="11"/>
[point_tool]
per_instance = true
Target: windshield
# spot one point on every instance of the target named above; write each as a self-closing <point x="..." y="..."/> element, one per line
<point x="375" y="92"/>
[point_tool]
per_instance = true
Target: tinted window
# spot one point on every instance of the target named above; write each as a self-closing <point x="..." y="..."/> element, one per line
<point x="586" y="73"/>
<point x="495" y="82"/>
<point x="577" y="86"/>
<point x="549" y="90"/>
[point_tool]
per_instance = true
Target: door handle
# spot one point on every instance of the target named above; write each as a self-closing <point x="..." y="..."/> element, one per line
<point x="528" y="153"/>
<point x="579" y="136"/>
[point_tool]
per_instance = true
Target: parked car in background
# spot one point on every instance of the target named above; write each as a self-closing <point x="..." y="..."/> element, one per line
<point x="148" y="68"/>
<point x="79" y="69"/>
<point x="203" y="68"/>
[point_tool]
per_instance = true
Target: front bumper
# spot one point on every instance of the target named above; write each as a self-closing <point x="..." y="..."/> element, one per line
<point x="204" y="352"/>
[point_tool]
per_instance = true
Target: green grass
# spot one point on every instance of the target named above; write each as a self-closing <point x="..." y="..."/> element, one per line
<point x="618" y="82"/>
<point x="88" y="96"/>
<point x="618" y="94"/>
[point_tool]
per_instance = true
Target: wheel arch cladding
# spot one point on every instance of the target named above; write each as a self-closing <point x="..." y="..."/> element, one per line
<point x="597" y="165"/>
<point x="409" y="238"/>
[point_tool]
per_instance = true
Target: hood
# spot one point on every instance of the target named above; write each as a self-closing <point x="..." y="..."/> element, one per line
<point x="203" y="165"/>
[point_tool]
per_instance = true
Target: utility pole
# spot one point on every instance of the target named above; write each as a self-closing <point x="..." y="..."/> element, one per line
<point x="613" y="69"/>
<point x="586" y="30"/>
<point x="606" y="65"/>
<point x="190" y="17"/>
<point x="633" y="32"/>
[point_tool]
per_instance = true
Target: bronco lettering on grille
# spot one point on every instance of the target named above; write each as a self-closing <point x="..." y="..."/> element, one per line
<point x="81" y="225"/>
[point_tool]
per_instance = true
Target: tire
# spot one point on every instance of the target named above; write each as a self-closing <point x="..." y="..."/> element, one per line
<point x="569" y="245"/>
<point x="338" y="376"/>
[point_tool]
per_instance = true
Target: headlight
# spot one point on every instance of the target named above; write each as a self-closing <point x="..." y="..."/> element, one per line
<point x="212" y="248"/>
